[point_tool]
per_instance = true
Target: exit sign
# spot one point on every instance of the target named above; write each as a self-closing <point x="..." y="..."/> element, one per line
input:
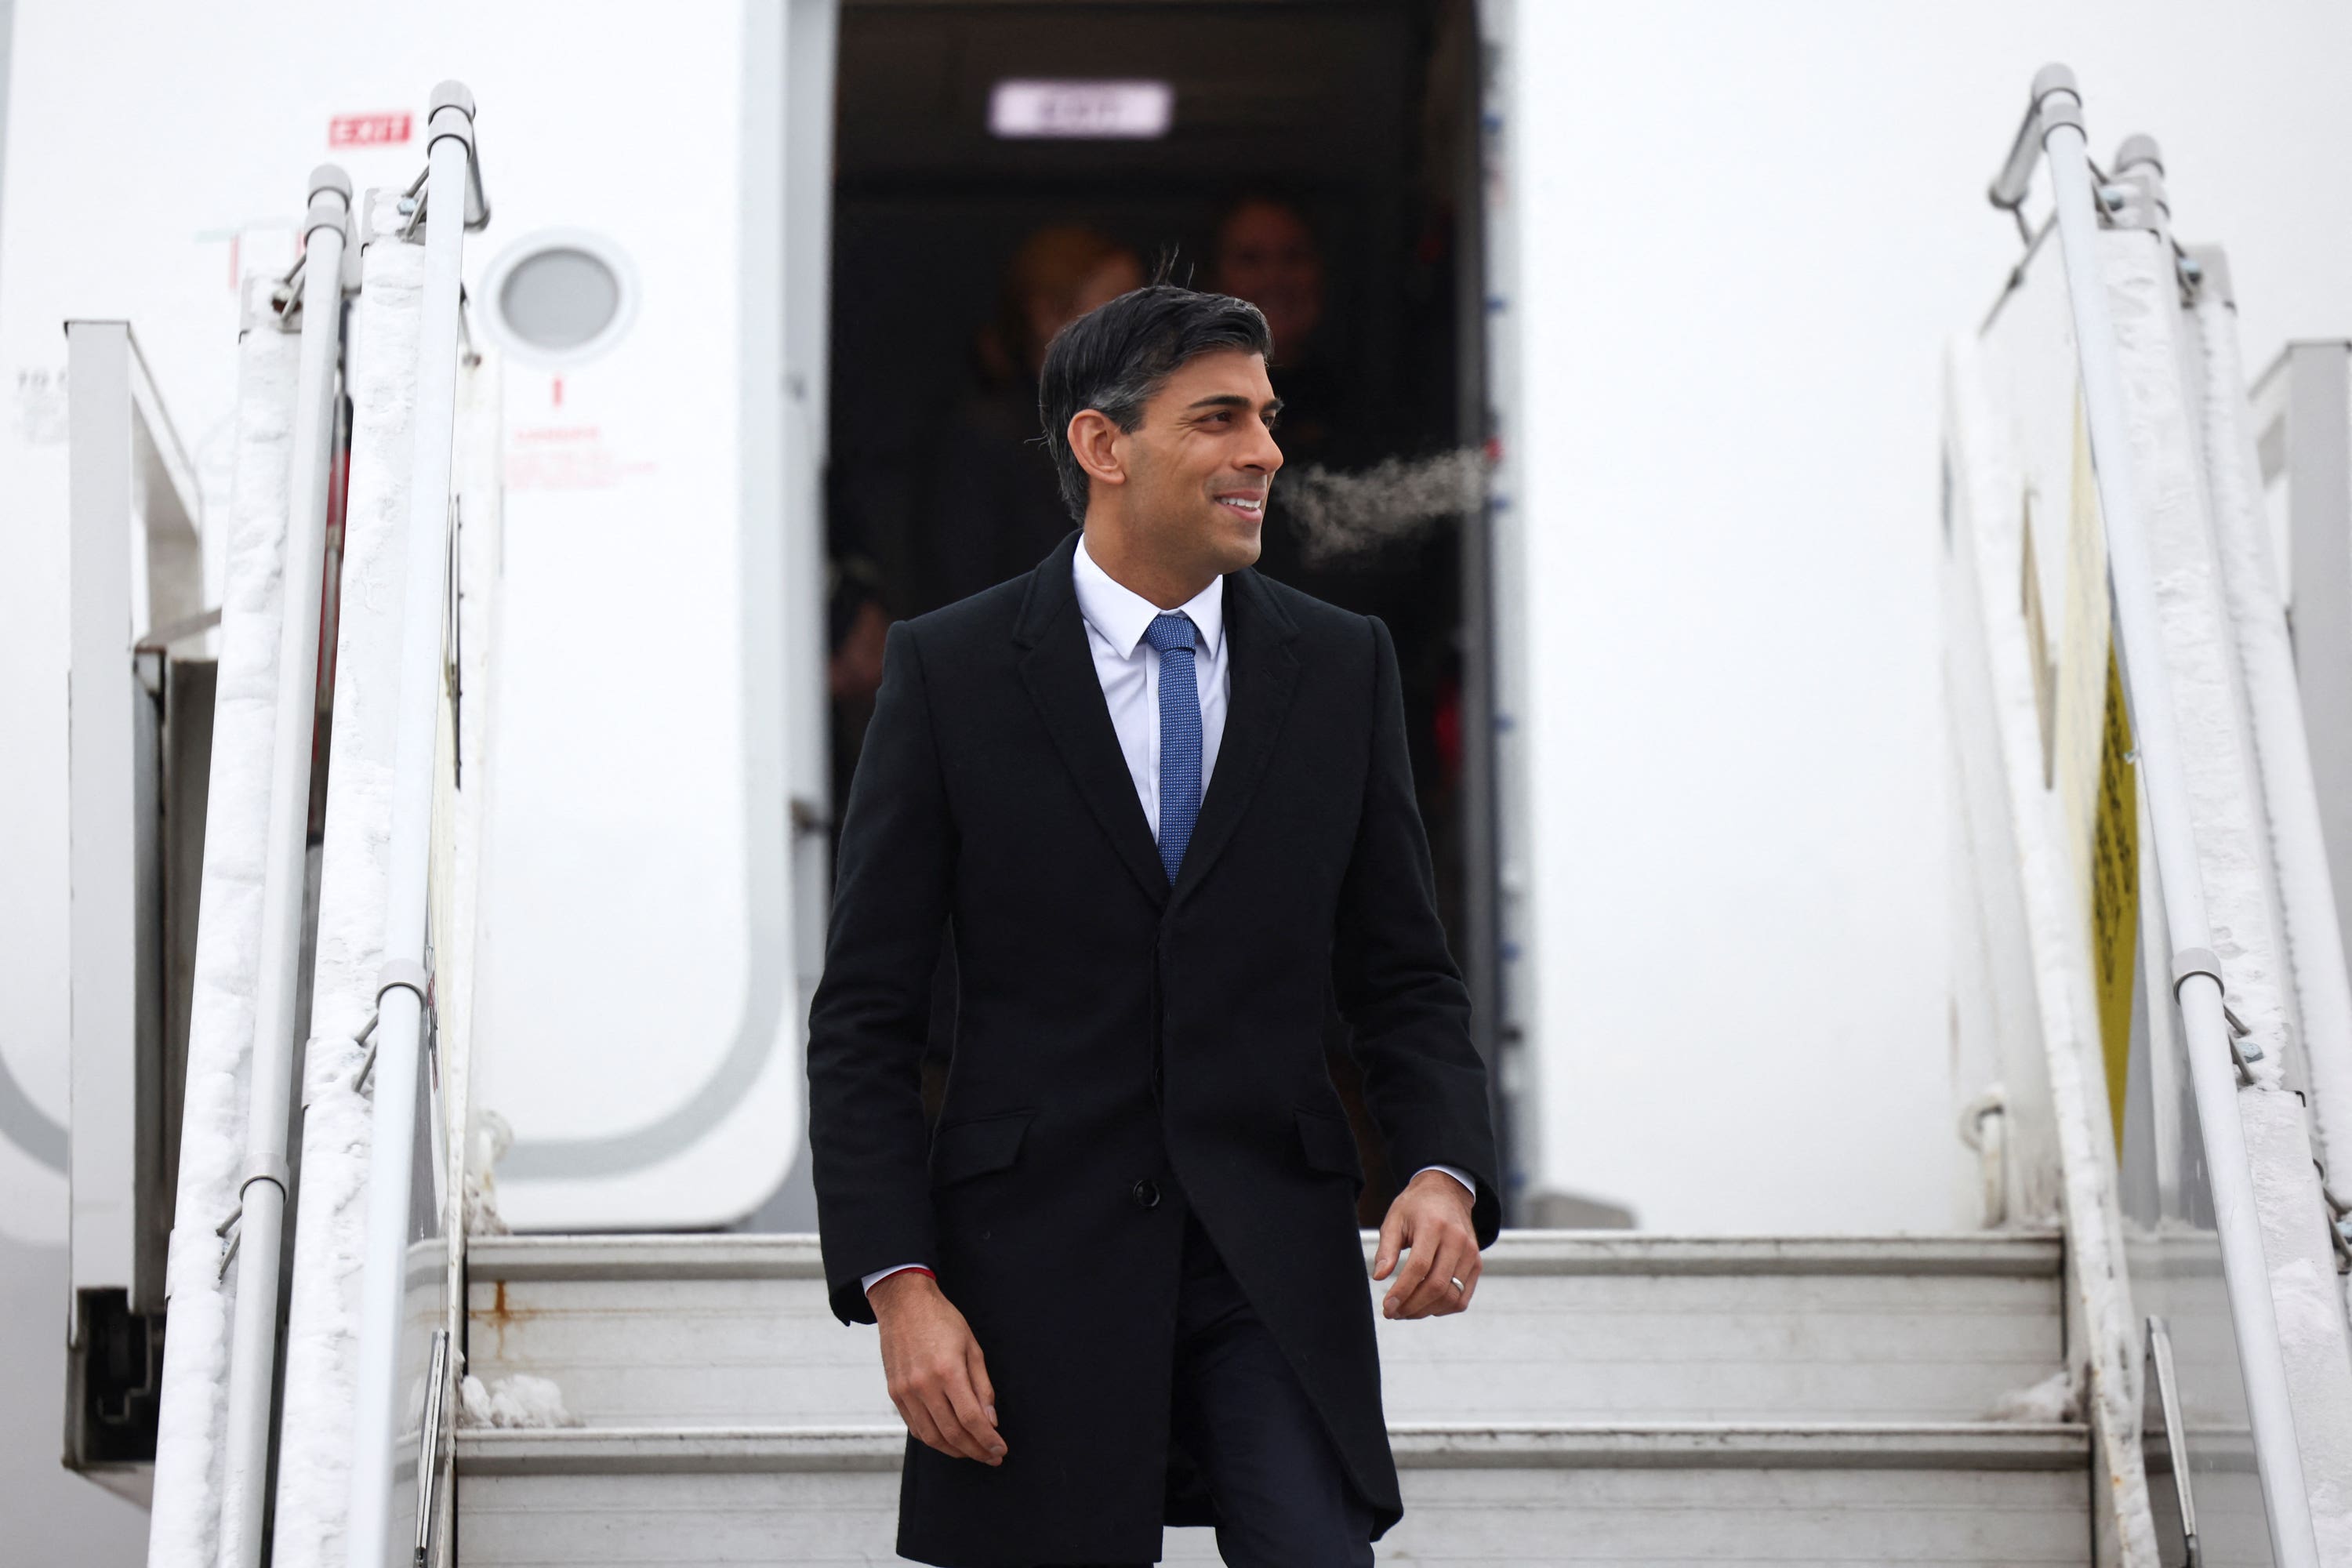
<point x="384" y="130"/>
<point x="1082" y="110"/>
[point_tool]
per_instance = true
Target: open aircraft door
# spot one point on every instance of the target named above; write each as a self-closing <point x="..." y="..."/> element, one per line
<point x="657" y="282"/>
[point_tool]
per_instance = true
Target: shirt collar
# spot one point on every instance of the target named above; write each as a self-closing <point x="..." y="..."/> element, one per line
<point x="1121" y="615"/>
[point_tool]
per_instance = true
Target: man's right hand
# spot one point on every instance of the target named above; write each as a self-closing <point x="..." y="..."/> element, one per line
<point x="937" y="1376"/>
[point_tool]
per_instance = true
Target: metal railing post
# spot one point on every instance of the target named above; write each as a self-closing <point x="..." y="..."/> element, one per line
<point x="2055" y="114"/>
<point x="2166" y="1388"/>
<point x="450" y="197"/>
<point x="185" y="1507"/>
<point x="262" y="1183"/>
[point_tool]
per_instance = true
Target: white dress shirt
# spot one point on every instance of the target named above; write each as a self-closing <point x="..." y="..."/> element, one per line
<point x="1129" y="668"/>
<point x="1117" y="617"/>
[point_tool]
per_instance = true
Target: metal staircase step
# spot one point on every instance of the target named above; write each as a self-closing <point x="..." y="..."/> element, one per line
<point x="729" y="1450"/>
<point x="1657" y="1493"/>
<point x="732" y="1330"/>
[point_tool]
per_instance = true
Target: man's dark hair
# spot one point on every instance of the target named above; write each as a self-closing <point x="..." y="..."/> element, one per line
<point x="1117" y="356"/>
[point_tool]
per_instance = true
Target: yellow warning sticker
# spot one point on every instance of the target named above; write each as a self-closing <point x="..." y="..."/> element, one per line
<point x="2114" y="894"/>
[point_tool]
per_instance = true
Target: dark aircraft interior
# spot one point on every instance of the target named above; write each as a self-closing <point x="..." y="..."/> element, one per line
<point x="1320" y="158"/>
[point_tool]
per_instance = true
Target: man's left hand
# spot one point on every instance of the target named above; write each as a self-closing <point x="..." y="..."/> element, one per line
<point x="1430" y="1222"/>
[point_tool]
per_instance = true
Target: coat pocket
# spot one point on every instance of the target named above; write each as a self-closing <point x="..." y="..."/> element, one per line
<point x="963" y="1150"/>
<point x="1330" y="1144"/>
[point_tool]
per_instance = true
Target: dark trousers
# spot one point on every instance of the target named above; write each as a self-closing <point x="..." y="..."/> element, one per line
<point x="1283" y="1500"/>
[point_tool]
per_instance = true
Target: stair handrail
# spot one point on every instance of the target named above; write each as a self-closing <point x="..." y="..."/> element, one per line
<point x="259" y="1220"/>
<point x="2307" y="890"/>
<point x="449" y="202"/>
<point x="2052" y="130"/>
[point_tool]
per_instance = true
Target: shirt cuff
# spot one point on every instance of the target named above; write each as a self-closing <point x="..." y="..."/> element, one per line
<point x="870" y="1280"/>
<point x="1460" y="1175"/>
<point x="881" y="1274"/>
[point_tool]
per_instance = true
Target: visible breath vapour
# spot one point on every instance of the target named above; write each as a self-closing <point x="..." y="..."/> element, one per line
<point x="1342" y="515"/>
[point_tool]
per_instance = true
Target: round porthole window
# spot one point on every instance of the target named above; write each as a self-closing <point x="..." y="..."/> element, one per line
<point x="561" y="298"/>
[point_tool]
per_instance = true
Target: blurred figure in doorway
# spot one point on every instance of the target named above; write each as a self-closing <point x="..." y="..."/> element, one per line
<point x="1262" y="249"/>
<point x="858" y="618"/>
<point x="1264" y="252"/>
<point x="993" y="511"/>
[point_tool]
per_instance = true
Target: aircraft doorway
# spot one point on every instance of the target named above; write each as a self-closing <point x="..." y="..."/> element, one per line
<point x="1319" y="159"/>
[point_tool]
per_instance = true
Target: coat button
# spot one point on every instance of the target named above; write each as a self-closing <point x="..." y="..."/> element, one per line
<point x="1146" y="1193"/>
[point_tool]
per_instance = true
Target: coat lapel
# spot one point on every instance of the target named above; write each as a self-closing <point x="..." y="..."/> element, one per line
<point x="1264" y="673"/>
<point x="1059" y="671"/>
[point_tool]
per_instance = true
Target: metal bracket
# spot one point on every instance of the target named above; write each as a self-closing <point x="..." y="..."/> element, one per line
<point x="2243" y="1057"/>
<point x="2054" y="101"/>
<point x="395" y="973"/>
<point x="283" y="299"/>
<point x="366" y="1036"/>
<point x="2206" y="269"/>
<point x="2191" y="960"/>
<point x="330" y="201"/>
<point x="2176" y="1438"/>
<point x="257" y="306"/>
<point x="428" y="1448"/>
<point x="1984" y="1127"/>
<point x="268" y="1168"/>
<point x="2049" y="83"/>
<point x="2242" y="1049"/>
<point x="2194" y="961"/>
<point x="330" y="207"/>
<point x="399" y="972"/>
<point x="451" y="116"/>
<point x="411" y="206"/>
<point x="2135" y="198"/>
<point x="231" y="1234"/>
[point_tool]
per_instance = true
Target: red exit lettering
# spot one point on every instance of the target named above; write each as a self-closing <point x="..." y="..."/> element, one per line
<point x="368" y="130"/>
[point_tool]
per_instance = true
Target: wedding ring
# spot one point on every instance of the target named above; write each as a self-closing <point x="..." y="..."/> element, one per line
<point x="1457" y="1283"/>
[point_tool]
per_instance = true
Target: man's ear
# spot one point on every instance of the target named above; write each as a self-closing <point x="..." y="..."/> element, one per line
<point x="1093" y="442"/>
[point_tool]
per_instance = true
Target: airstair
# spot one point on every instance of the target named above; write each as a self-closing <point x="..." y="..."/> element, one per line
<point x="2142" y="1357"/>
<point x="1612" y="1398"/>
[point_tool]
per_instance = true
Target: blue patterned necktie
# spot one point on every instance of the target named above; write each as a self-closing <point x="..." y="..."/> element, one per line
<point x="1179" y="737"/>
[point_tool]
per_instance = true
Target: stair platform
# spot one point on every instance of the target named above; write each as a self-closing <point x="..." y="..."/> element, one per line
<point x="733" y="1331"/>
<point x="1662" y="1494"/>
<point x="1612" y="1398"/>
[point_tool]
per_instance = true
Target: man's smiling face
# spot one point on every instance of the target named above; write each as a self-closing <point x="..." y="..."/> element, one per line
<point x="1201" y="462"/>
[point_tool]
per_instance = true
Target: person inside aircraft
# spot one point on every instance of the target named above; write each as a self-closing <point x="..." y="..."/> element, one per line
<point x="1264" y="250"/>
<point x="993" y="511"/>
<point x="858" y="616"/>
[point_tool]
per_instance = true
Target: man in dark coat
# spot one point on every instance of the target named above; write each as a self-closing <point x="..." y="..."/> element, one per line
<point x="1161" y="806"/>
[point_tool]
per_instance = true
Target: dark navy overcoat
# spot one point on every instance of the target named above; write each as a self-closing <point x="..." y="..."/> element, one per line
<point x="1112" y="1030"/>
